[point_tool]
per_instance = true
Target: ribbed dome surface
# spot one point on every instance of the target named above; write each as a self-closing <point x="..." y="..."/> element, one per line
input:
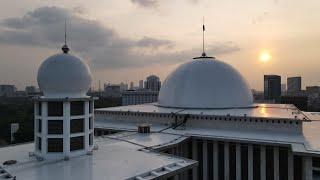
<point x="205" y="83"/>
<point x="64" y="75"/>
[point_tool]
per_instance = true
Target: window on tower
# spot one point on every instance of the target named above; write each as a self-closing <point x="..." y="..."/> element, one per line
<point x="39" y="125"/>
<point x="55" y="144"/>
<point x="90" y="106"/>
<point x="77" y="108"/>
<point x="90" y="122"/>
<point x="39" y="144"/>
<point x="77" y="125"/>
<point x="55" y="108"/>
<point x="55" y="127"/>
<point x="76" y="143"/>
<point x="39" y="108"/>
<point x="91" y="139"/>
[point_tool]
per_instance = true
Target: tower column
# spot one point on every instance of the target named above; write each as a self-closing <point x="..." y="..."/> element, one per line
<point x="205" y="159"/>
<point x="215" y="160"/>
<point x="36" y="124"/>
<point x="290" y="164"/>
<point x="194" y="157"/>
<point x="238" y="161"/>
<point x="44" y="127"/>
<point x="276" y="163"/>
<point x="250" y="162"/>
<point x="86" y="125"/>
<point x="307" y="168"/>
<point x="226" y="161"/>
<point x="263" y="162"/>
<point x="66" y="128"/>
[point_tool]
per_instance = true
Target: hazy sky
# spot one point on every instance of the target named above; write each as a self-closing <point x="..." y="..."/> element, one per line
<point x="128" y="40"/>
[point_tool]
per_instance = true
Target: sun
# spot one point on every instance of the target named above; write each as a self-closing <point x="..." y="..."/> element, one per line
<point x="265" y="57"/>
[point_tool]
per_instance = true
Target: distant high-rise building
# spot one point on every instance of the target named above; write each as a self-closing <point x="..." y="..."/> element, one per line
<point x="113" y="91"/>
<point x="123" y="86"/>
<point x="294" y="84"/>
<point x="272" y="87"/>
<point x="283" y="88"/>
<point x="313" y="90"/>
<point x="139" y="97"/>
<point x="141" y="84"/>
<point x="30" y="89"/>
<point x="7" y="90"/>
<point x="131" y="85"/>
<point x="153" y="83"/>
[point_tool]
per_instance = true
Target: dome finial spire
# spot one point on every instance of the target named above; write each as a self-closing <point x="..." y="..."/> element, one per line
<point x="203" y="55"/>
<point x="203" y="29"/>
<point x="65" y="48"/>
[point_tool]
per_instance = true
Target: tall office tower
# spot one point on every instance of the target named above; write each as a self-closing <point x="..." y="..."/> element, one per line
<point x="131" y="85"/>
<point x="294" y="84"/>
<point x="141" y="84"/>
<point x="283" y="88"/>
<point x="153" y="83"/>
<point x="272" y="87"/>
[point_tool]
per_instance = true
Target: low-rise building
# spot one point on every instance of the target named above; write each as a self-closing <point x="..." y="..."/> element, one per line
<point x="139" y="97"/>
<point x="7" y="90"/>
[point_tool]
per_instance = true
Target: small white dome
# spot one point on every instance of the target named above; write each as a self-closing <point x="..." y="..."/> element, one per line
<point x="64" y="75"/>
<point x="205" y="83"/>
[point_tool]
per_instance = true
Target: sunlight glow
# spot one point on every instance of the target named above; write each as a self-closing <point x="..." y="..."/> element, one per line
<point x="265" y="57"/>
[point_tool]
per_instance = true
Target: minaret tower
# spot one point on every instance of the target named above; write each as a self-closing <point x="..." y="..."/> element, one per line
<point x="64" y="114"/>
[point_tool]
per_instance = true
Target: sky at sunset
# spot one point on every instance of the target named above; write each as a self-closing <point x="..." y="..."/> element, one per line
<point x="127" y="40"/>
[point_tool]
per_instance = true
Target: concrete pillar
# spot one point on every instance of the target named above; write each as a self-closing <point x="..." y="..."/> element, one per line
<point x="226" y="161"/>
<point x="276" y="163"/>
<point x="44" y="127"/>
<point x="35" y="111"/>
<point x="307" y="168"/>
<point x="176" y="177"/>
<point x="250" y="162"/>
<point x="86" y="125"/>
<point x="290" y="164"/>
<point x="205" y="159"/>
<point x="263" y="162"/>
<point x="215" y="161"/>
<point x="238" y="161"/>
<point x="179" y="153"/>
<point x="185" y="153"/>
<point x="194" y="157"/>
<point x="66" y="128"/>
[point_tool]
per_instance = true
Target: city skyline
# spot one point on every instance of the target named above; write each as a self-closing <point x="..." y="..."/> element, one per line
<point x="114" y="53"/>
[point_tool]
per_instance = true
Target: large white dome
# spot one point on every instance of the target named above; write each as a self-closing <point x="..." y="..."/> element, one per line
<point x="205" y="83"/>
<point x="64" y="75"/>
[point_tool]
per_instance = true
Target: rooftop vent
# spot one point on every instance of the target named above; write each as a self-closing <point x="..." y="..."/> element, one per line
<point x="10" y="162"/>
<point x="144" y="128"/>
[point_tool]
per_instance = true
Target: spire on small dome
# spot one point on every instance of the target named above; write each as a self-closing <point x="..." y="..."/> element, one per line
<point x="203" y="55"/>
<point x="65" y="48"/>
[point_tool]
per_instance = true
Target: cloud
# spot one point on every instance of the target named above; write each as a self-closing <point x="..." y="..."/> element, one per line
<point x="194" y="1"/>
<point x="153" y="43"/>
<point x="102" y="46"/>
<point x="146" y="3"/>
<point x="260" y="18"/>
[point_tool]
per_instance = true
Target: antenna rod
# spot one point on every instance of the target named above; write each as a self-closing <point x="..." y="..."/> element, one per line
<point x="65" y="47"/>
<point x="203" y="29"/>
<point x="65" y="32"/>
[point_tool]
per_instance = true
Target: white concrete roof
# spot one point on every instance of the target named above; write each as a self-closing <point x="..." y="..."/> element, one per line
<point x="118" y="157"/>
<point x="307" y="142"/>
<point x="304" y="141"/>
<point x="64" y="75"/>
<point x="285" y="111"/>
<point x="205" y="83"/>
